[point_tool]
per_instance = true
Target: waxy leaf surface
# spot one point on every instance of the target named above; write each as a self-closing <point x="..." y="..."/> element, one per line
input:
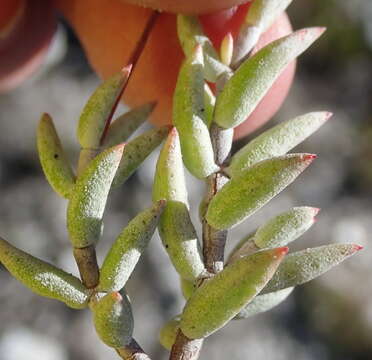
<point x="221" y="298"/>
<point x="43" y="278"/>
<point x="247" y="193"/>
<point x="128" y="247"/>
<point x="255" y="76"/>
<point x="54" y="162"/>
<point x="188" y="117"/>
<point x="87" y="204"/>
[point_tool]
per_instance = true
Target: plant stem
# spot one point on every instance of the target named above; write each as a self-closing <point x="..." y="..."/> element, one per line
<point x="185" y="348"/>
<point x="132" y="352"/>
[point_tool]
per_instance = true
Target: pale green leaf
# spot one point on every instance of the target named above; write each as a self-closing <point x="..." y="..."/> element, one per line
<point x="136" y="152"/>
<point x="189" y="117"/>
<point x="87" y="204"/>
<point x="263" y="303"/>
<point x="54" y="162"/>
<point x="100" y="108"/>
<point x="128" y="247"/>
<point x="247" y="193"/>
<point x="190" y="34"/>
<point x="303" y="266"/>
<point x="221" y="298"/>
<point x="43" y="278"/>
<point x="113" y="320"/>
<point x="125" y="125"/>
<point x="277" y="141"/>
<point x="255" y="76"/>
<point x="168" y="332"/>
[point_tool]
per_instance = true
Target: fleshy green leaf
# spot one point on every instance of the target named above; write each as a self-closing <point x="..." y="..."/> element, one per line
<point x="261" y="15"/>
<point x="43" y="278"/>
<point x="113" y="320"/>
<point x="255" y="76"/>
<point x="303" y="266"/>
<point x="87" y="204"/>
<point x="55" y="164"/>
<point x="221" y="298"/>
<point x="277" y="141"/>
<point x="188" y="288"/>
<point x="175" y="228"/>
<point x="190" y="34"/>
<point x="136" y="151"/>
<point x="125" y="125"/>
<point x="168" y="332"/>
<point x="285" y="228"/>
<point x="128" y="247"/>
<point x="188" y="117"/>
<point x="247" y="193"/>
<point x="263" y="303"/>
<point x="100" y="108"/>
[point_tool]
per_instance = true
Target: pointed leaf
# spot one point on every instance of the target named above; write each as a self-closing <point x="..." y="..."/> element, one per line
<point x="190" y="34"/>
<point x="227" y="48"/>
<point x="247" y="193"/>
<point x="263" y="303"/>
<point x="55" y="164"/>
<point x="286" y="227"/>
<point x="125" y="125"/>
<point x="188" y="117"/>
<point x="136" y="152"/>
<point x="261" y="15"/>
<point x="128" y="247"/>
<point x="255" y="76"/>
<point x="113" y="320"/>
<point x="168" y="332"/>
<point x="175" y="228"/>
<point x="221" y="298"/>
<point x="277" y="141"/>
<point x="100" y="108"/>
<point x="303" y="266"/>
<point x="43" y="278"/>
<point x="87" y="204"/>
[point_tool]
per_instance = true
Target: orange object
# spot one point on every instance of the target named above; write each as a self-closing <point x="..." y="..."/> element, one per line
<point x="110" y="29"/>
<point x="26" y="30"/>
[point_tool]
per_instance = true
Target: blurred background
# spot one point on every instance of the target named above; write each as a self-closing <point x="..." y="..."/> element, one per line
<point x="329" y="318"/>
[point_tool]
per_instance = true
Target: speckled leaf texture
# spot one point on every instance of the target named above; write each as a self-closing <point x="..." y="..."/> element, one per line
<point x="136" y="152"/>
<point x="175" y="227"/>
<point x="247" y="193"/>
<point x="221" y="298"/>
<point x="43" y="278"/>
<point x="113" y="320"/>
<point x="189" y="118"/>
<point x="54" y="162"/>
<point x="87" y="204"/>
<point x="255" y="76"/>
<point x="190" y="34"/>
<point x="303" y="266"/>
<point x="286" y="227"/>
<point x="99" y="109"/>
<point x="263" y="303"/>
<point x="261" y="15"/>
<point x="125" y="125"/>
<point x="128" y="247"/>
<point x="277" y="141"/>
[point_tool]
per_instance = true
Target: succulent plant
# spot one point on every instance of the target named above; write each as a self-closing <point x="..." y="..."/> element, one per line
<point x="258" y="274"/>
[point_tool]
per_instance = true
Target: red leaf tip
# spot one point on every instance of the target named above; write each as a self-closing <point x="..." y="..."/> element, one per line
<point x="310" y="157"/>
<point x="357" y="247"/>
<point x="116" y="296"/>
<point x="126" y="70"/>
<point x="282" y="251"/>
